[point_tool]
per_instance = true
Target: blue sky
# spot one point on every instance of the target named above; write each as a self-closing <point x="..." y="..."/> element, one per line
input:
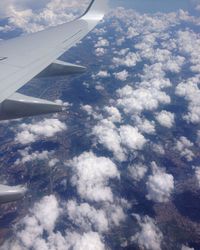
<point x="156" y="5"/>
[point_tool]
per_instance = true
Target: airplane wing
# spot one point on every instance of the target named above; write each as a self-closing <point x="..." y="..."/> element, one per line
<point x="23" y="58"/>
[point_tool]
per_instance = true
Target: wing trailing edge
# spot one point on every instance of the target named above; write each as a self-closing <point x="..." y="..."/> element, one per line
<point x="61" y="68"/>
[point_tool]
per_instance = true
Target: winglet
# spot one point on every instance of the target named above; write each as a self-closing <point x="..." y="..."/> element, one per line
<point x="96" y="10"/>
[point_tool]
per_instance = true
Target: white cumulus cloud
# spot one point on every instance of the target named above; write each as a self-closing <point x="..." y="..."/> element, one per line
<point x="42" y="219"/>
<point x="92" y="175"/>
<point x="87" y="217"/>
<point x="107" y="134"/>
<point x="102" y="42"/>
<point x="102" y="219"/>
<point x="120" y="141"/>
<point x="89" y="241"/>
<point x="122" y="75"/>
<point x="137" y="171"/>
<point x="160" y="185"/>
<point x="184" y="146"/>
<point x="150" y="237"/>
<point x="186" y="248"/>
<point x="134" y="101"/>
<point x="29" y="133"/>
<point x="189" y="89"/>
<point x="32" y="16"/>
<point x="27" y="156"/>
<point x="103" y="74"/>
<point x="131" y="137"/>
<point x="114" y="114"/>
<point x="197" y="175"/>
<point x="165" y="118"/>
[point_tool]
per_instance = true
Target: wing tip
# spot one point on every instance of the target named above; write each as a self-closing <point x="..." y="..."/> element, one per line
<point x="96" y="10"/>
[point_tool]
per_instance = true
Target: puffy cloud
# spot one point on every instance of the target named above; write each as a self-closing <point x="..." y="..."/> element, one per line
<point x="183" y="145"/>
<point x="174" y="64"/>
<point x="165" y="118"/>
<point x="114" y="114"/>
<point x="131" y="137"/>
<point x="100" y="51"/>
<point x="165" y="60"/>
<point x="103" y="74"/>
<point x="197" y="175"/>
<point x="130" y="60"/>
<point x="31" y="132"/>
<point x="92" y="175"/>
<point x="122" y="76"/>
<point x="119" y="140"/>
<point x="115" y="213"/>
<point x="65" y="104"/>
<point x="159" y="149"/>
<point x="134" y="101"/>
<point x="137" y="171"/>
<point x="107" y="134"/>
<point x="25" y="137"/>
<point x="132" y="32"/>
<point x="99" y="87"/>
<point x="150" y="237"/>
<point x="37" y="229"/>
<point x="186" y="248"/>
<point x="31" y="16"/>
<point x="87" y="217"/>
<point x="91" y="112"/>
<point x="122" y="52"/>
<point x="27" y="156"/>
<point x="102" y="42"/>
<point x="102" y="219"/>
<point x="101" y="47"/>
<point x="52" y="163"/>
<point x="42" y="218"/>
<point x="47" y="212"/>
<point x="100" y="31"/>
<point x="188" y="44"/>
<point x="145" y="125"/>
<point x="154" y="77"/>
<point x="89" y="241"/>
<point x="190" y="91"/>
<point x="120" y="41"/>
<point x="160" y="185"/>
<point x="88" y="109"/>
<point x="74" y="240"/>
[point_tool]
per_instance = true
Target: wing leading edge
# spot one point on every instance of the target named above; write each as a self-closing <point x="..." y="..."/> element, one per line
<point x="23" y="58"/>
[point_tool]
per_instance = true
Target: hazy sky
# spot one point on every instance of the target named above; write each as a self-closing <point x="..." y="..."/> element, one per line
<point x="156" y="5"/>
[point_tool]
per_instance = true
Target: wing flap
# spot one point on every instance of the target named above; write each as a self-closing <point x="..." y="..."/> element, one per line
<point x="60" y="68"/>
<point x="19" y="106"/>
<point x="10" y="194"/>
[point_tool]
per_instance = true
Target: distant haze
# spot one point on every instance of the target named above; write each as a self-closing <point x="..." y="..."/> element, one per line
<point x="156" y="5"/>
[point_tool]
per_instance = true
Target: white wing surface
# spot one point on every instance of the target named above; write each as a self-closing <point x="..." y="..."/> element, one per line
<point x="23" y="58"/>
